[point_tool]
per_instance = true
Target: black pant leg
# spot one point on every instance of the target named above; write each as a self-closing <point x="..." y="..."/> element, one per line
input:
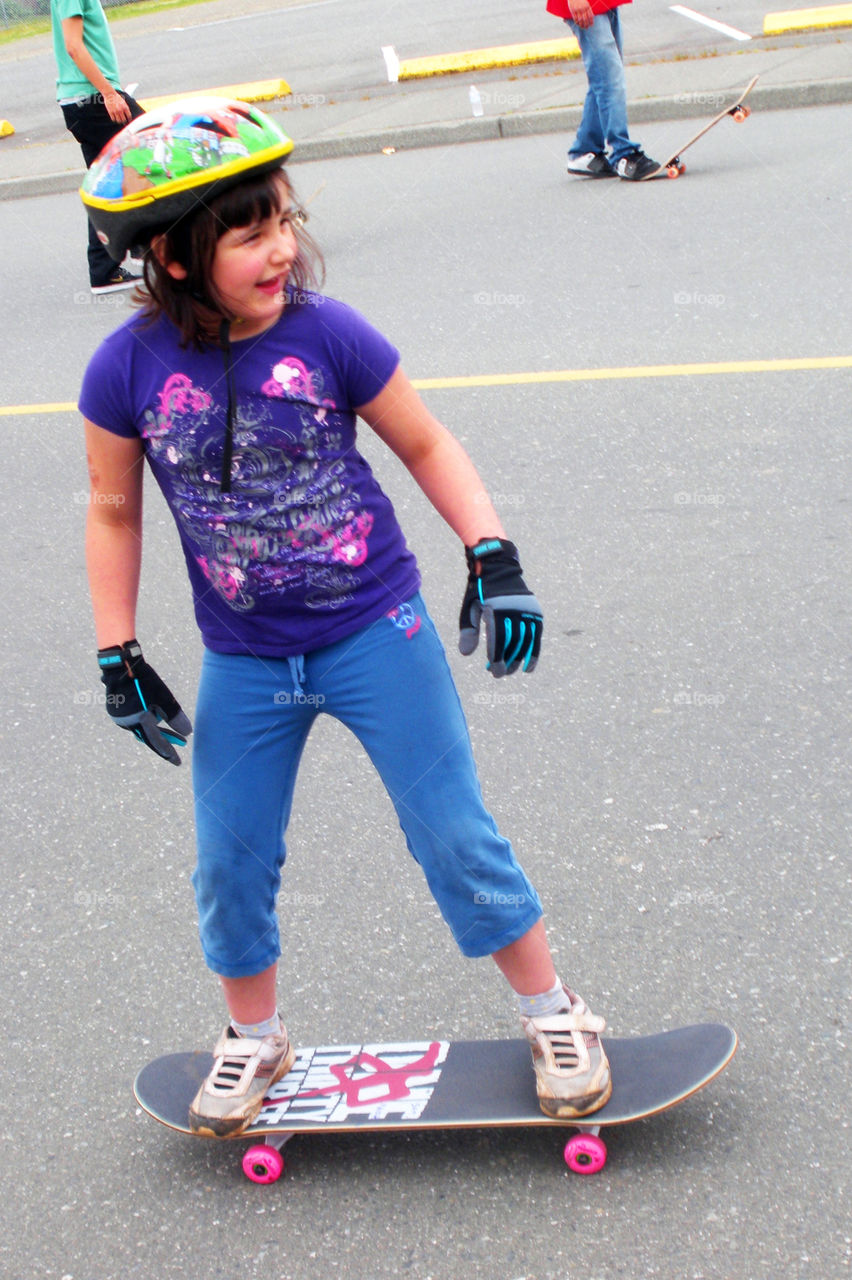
<point x="92" y="127"/>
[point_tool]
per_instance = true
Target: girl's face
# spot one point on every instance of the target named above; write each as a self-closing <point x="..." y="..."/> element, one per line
<point x="251" y="266"/>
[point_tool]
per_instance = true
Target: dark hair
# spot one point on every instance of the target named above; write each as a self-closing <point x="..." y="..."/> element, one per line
<point x="194" y="304"/>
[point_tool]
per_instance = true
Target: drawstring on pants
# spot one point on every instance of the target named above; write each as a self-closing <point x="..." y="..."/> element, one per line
<point x="297" y="671"/>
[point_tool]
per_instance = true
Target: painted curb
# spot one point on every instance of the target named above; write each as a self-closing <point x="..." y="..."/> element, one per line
<point x="507" y="55"/>
<point x="823" y="18"/>
<point x="257" y="91"/>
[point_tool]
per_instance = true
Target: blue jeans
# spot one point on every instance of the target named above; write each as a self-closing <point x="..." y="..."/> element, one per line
<point x="604" y="122"/>
<point x="391" y="685"/>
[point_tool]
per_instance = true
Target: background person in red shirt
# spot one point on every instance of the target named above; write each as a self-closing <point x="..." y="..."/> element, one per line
<point x="602" y="148"/>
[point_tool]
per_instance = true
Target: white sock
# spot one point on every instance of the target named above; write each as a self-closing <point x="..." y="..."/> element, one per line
<point x="257" y="1030"/>
<point x="544" y="1004"/>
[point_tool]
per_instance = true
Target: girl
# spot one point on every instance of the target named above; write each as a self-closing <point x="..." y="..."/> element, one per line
<point x="240" y="385"/>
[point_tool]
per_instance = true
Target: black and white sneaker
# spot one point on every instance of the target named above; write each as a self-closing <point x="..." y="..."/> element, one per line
<point x="120" y="279"/>
<point x="636" y="166"/>
<point x="593" y="164"/>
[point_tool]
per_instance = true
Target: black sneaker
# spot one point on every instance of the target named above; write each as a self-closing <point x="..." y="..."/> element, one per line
<point x="636" y="166"/>
<point x="120" y="279"/>
<point x="593" y="164"/>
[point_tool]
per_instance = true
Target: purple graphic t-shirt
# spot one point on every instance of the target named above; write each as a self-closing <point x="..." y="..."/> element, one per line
<point x="305" y="548"/>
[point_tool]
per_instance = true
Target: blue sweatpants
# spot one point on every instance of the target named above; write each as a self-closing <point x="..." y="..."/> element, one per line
<point x="391" y="685"/>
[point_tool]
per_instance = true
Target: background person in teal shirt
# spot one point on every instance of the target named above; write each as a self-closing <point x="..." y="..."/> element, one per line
<point x="93" y="104"/>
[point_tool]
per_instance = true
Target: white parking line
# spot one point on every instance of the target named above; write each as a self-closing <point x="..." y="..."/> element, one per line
<point x="246" y="17"/>
<point x="721" y="27"/>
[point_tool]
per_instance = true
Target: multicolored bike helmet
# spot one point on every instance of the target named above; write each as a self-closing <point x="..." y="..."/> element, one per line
<point x="166" y="162"/>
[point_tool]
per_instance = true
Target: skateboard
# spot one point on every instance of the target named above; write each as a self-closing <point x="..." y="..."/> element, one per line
<point x="437" y="1084"/>
<point x="674" y="166"/>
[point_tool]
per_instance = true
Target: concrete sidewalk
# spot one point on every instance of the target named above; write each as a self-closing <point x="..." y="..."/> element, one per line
<point x="543" y="98"/>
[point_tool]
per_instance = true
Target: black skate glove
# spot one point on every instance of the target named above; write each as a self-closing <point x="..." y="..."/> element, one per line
<point x="137" y="699"/>
<point x="513" y="618"/>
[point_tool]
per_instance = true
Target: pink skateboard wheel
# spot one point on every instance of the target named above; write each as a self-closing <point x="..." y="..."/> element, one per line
<point x="585" y="1153"/>
<point x="263" y="1164"/>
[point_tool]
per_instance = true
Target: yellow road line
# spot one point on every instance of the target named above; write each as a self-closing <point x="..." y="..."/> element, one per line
<point x="640" y="371"/>
<point x="555" y="375"/>
<point x="19" y="410"/>
<point x="257" y="91"/>
<point x="506" y="55"/>
<point x="820" y="18"/>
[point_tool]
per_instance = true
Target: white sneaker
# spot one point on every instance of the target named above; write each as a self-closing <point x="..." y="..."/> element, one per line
<point x="571" y="1068"/>
<point x="243" y="1073"/>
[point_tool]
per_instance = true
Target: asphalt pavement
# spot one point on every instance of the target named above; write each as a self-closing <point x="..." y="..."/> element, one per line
<point x="801" y="70"/>
<point x="665" y="428"/>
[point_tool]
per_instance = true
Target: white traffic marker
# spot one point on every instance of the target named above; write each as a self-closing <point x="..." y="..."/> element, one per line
<point x="721" y="27"/>
<point x="391" y="62"/>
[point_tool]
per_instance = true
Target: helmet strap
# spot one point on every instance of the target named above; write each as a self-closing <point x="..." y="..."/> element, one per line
<point x="228" y="448"/>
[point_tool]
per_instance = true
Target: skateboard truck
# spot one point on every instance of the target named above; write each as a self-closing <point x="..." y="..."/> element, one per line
<point x="584" y="1153"/>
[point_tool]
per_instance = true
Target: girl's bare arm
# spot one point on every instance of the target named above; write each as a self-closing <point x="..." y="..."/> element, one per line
<point x="114" y="532"/>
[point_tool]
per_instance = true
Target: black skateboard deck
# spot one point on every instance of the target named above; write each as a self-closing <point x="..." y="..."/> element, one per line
<point x="442" y="1085"/>
<point x="673" y="167"/>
